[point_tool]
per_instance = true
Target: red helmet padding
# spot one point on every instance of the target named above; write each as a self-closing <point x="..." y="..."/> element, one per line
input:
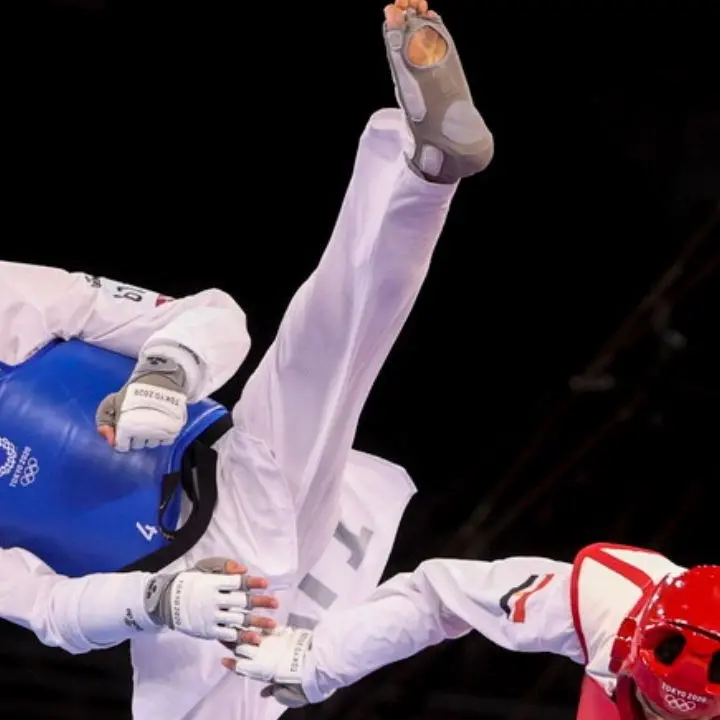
<point x="673" y="655"/>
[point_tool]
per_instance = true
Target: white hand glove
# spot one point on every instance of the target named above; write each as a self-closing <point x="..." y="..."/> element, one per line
<point x="280" y="660"/>
<point x="202" y="602"/>
<point x="150" y="410"/>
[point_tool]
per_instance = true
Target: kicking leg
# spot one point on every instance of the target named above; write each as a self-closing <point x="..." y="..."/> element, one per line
<point x="299" y="411"/>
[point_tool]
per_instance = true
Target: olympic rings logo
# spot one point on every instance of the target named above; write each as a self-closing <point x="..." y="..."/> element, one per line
<point x="10" y="456"/>
<point x="30" y="471"/>
<point x="22" y="466"/>
<point x="679" y="704"/>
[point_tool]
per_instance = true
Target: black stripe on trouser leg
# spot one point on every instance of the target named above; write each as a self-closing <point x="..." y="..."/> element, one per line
<point x="505" y="599"/>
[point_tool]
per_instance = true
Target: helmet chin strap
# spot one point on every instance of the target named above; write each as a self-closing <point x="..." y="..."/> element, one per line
<point x="653" y="713"/>
<point x="632" y="704"/>
<point x="650" y="712"/>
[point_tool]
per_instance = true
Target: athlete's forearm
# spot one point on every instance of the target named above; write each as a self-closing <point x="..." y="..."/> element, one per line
<point x="518" y="603"/>
<point x="403" y="617"/>
<point x="75" y="614"/>
<point x="206" y="333"/>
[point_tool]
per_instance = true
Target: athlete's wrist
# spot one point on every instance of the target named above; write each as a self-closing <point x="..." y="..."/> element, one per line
<point x="316" y="685"/>
<point x="156" y="599"/>
<point x="187" y="361"/>
<point x="111" y="608"/>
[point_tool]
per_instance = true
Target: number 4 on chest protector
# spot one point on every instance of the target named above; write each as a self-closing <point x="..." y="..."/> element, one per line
<point x="68" y="497"/>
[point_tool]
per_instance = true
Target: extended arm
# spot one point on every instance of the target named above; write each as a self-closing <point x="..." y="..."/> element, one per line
<point x="76" y="615"/>
<point x="521" y="604"/>
<point x="102" y="610"/>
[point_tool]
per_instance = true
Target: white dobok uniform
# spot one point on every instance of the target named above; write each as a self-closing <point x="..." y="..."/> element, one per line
<point x="296" y="503"/>
<point x="526" y="604"/>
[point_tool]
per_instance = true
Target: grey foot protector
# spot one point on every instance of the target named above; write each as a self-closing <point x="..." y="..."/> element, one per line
<point x="451" y="138"/>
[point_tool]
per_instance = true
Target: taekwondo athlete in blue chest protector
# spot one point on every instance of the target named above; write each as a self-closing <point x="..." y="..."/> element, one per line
<point x="296" y="503"/>
<point x="72" y="506"/>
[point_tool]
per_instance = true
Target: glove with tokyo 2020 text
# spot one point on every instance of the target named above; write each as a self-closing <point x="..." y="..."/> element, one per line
<point x="203" y="602"/>
<point x="150" y="409"/>
<point x="280" y="661"/>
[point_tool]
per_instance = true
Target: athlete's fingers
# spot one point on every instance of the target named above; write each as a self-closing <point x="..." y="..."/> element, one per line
<point x="234" y="568"/>
<point x="260" y="621"/>
<point x="226" y="634"/>
<point x="263" y="601"/>
<point x="244" y="651"/>
<point x="256" y="583"/>
<point x="123" y="443"/>
<point x="108" y="433"/>
<point x="250" y="637"/>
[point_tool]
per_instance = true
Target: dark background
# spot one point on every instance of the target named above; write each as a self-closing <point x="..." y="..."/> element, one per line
<point x="557" y="382"/>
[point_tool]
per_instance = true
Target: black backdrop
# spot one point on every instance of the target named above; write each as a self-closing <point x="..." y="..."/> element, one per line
<point x="181" y="146"/>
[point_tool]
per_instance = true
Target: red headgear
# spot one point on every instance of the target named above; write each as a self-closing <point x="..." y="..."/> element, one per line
<point x="670" y="653"/>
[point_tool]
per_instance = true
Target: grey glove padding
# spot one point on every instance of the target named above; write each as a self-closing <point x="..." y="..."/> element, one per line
<point x="291" y="696"/>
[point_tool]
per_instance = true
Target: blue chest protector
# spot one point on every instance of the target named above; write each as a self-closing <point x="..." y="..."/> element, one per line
<point x="65" y="494"/>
